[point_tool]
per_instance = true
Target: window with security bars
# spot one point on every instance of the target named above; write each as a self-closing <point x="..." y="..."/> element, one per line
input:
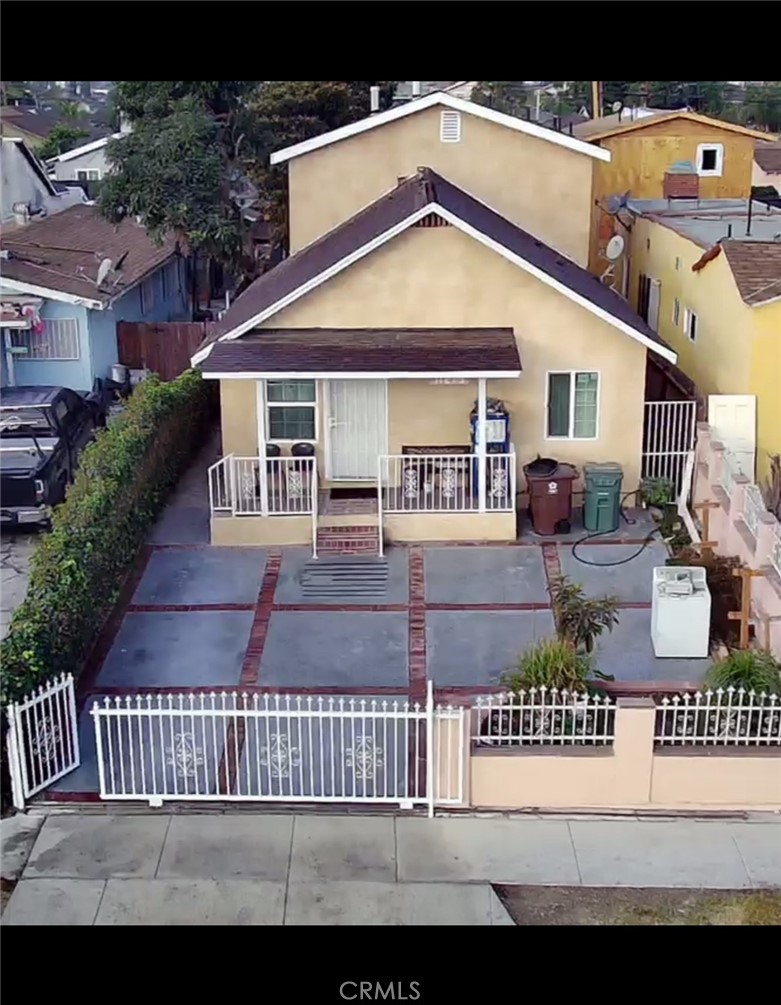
<point x="573" y="404"/>
<point x="292" y="409"/>
<point x="58" y="340"/>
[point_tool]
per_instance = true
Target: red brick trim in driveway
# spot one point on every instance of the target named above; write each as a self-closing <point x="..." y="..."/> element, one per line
<point x="185" y="608"/>
<point x="417" y="625"/>
<point x="250" y="671"/>
<point x="342" y="608"/>
<point x="541" y="606"/>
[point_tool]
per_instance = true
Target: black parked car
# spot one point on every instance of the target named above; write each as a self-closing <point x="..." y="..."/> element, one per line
<point x="42" y="432"/>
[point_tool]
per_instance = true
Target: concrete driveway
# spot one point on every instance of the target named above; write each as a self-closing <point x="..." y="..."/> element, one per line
<point x="16" y="549"/>
<point x="267" y="869"/>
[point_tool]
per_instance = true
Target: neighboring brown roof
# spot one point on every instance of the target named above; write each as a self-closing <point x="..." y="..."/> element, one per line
<point x="768" y="156"/>
<point x="62" y="253"/>
<point x="608" y="125"/>
<point x="584" y="130"/>
<point x="40" y="124"/>
<point x="392" y="209"/>
<point x="756" y="266"/>
<point x="367" y="350"/>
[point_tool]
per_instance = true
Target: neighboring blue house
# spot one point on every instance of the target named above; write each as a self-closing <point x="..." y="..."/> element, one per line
<point x="65" y="282"/>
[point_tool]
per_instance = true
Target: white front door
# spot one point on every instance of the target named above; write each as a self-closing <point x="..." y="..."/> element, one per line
<point x="357" y="428"/>
<point x="733" y="419"/>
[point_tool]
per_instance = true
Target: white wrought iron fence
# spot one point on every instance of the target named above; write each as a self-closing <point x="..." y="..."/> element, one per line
<point x="284" y="748"/>
<point x="725" y="717"/>
<point x="43" y="738"/>
<point x="669" y="433"/>
<point x="753" y="506"/>
<point x="445" y="483"/>
<point x="281" y="486"/>
<point x="543" y="717"/>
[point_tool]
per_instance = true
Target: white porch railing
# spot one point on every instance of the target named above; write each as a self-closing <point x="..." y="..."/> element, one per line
<point x="726" y="717"/>
<point x="287" y="486"/>
<point x="668" y="435"/>
<point x="543" y="717"/>
<point x="445" y="483"/>
<point x="728" y="472"/>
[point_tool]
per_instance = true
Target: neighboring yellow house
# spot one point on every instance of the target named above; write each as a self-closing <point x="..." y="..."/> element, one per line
<point x="713" y="292"/>
<point x="413" y="297"/>
<point x="713" y="160"/>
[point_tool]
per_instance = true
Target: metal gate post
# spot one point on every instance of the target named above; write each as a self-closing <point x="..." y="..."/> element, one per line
<point x="431" y="746"/>
<point x="14" y="763"/>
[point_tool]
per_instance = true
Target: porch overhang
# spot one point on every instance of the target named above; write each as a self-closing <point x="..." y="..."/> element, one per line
<point x="360" y="353"/>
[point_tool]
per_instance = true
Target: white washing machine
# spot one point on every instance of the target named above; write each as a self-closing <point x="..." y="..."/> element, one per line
<point x="680" y="612"/>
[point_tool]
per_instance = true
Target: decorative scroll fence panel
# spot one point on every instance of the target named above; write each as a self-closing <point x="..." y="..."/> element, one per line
<point x="726" y="717"/>
<point x="43" y="738"/>
<point x="543" y="717"/>
<point x="445" y="483"/>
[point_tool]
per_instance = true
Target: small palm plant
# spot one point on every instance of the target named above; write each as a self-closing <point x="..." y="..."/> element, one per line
<point x="749" y="669"/>
<point x="550" y="663"/>
<point x="581" y="619"/>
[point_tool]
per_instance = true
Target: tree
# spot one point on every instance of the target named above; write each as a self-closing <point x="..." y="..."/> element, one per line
<point x="175" y="168"/>
<point x="62" y="138"/>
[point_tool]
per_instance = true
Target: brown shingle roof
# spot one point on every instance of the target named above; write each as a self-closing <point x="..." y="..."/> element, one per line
<point x="609" y="125"/>
<point x="768" y="156"/>
<point x="756" y="266"/>
<point x="40" y="124"/>
<point x="367" y="350"/>
<point x="63" y="252"/>
<point x="392" y="209"/>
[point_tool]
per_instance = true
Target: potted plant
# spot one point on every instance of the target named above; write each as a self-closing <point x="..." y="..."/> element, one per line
<point x="580" y="620"/>
<point x="657" y="494"/>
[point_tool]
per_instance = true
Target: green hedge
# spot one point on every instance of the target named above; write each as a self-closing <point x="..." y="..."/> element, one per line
<point x="121" y="486"/>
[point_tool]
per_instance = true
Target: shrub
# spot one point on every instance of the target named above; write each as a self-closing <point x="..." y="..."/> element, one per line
<point x="120" y="487"/>
<point x="724" y="587"/>
<point x="658" y="492"/>
<point x="553" y="663"/>
<point x="750" y="669"/>
<point x="580" y="619"/>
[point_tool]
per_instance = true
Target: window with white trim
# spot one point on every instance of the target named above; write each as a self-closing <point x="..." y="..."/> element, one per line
<point x="572" y="405"/>
<point x="450" y="127"/>
<point x="88" y="174"/>
<point x="676" y="311"/>
<point x="710" y="160"/>
<point x="147" y="294"/>
<point x="58" y="340"/>
<point x="690" y="325"/>
<point x="291" y="410"/>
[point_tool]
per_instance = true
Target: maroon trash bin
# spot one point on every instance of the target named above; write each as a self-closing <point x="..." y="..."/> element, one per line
<point x="550" y="495"/>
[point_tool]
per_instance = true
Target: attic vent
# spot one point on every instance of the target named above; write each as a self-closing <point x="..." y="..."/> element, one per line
<point x="450" y="127"/>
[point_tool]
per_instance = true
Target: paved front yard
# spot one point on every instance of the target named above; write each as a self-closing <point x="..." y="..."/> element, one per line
<point x="16" y="550"/>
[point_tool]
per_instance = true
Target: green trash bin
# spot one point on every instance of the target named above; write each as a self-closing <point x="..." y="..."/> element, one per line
<point x="602" y="497"/>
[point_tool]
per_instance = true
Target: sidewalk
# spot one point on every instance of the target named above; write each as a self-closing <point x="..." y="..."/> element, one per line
<point x="337" y="870"/>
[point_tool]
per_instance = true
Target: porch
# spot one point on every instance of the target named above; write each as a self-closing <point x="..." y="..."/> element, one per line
<point x="409" y="447"/>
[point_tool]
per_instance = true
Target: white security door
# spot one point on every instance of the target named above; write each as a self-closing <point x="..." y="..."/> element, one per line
<point x="357" y="428"/>
<point x="733" y="419"/>
<point x="654" y="298"/>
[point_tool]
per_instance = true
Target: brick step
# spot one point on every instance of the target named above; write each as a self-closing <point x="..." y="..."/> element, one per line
<point x="348" y="540"/>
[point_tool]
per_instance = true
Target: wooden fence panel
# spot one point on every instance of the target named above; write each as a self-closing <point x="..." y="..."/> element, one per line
<point x="165" y="347"/>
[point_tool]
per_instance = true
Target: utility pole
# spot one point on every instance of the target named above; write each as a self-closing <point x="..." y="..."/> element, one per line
<point x="596" y="110"/>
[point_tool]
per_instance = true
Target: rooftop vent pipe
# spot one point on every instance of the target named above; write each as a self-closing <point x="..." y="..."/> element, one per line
<point x="374" y="100"/>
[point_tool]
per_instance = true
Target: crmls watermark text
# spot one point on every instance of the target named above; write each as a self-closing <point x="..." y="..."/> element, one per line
<point x="372" y="991"/>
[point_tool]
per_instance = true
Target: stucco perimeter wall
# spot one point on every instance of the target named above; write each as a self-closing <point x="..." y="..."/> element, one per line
<point x="441" y="278"/>
<point x="630" y="775"/>
<point x="449" y="527"/>
<point x="254" y="530"/>
<point x="541" y="186"/>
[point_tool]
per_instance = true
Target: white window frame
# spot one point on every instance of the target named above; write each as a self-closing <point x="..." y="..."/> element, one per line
<point x="448" y="115"/>
<point x="687" y="316"/>
<point x="571" y="434"/>
<point x="26" y="338"/>
<point x="315" y="405"/>
<point x="676" y="312"/>
<point x="710" y="172"/>
<point x="92" y="174"/>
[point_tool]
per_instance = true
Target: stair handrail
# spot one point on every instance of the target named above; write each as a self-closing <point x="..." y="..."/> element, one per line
<point x="313" y="488"/>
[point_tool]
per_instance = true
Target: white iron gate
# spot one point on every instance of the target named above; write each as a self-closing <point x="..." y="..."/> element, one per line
<point x="669" y="433"/>
<point x="274" y="748"/>
<point x="43" y="738"/>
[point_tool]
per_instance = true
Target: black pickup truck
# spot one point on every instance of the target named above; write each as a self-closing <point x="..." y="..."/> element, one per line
<point x="42" y="432"/>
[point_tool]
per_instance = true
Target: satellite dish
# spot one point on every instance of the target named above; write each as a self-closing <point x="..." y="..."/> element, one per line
<point x="103" y="270"/>
<point x="615" y="248"/>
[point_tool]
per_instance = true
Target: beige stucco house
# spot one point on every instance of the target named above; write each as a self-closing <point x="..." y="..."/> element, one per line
<point x="438" y="261"/>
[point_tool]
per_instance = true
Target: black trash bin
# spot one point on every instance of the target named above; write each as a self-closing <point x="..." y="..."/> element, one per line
<point x="273" y="450"/>
<point x="550" y="494"/>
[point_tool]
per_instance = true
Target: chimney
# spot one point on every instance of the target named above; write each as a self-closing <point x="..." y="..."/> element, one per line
<point x="678" y="185"/>
<point x="374" y="100"/>
<point x="416" y="88"/>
